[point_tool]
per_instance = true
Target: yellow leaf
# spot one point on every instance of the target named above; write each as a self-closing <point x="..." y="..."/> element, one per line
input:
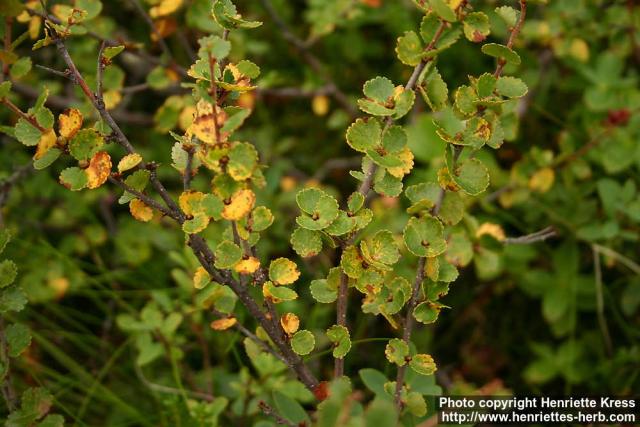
<point x="406" y="156"/>
<point x="222" y="324"/>
<point x="165" y="7"/>
<point x="186" y="117"/>
<point x="205" y="121"/>
<point x="47" y="142"/>
<point x="247" y="100"/>
<point x="60" y="285"/>
<point x="288" y="183"/>
<point x="247" y="266"/>
<point x="240" y="205"/>
<point x="283" y="271"/>
<point x="494" y="230"/>
<point x="111" y="99"/>
<point x="69" y="123"/>
<point x="188" y="200"/>
<point x="98" y="170"/>
<point x="129" y="161"/>
<point x="201" y="278"/>
<point x="290" y="323"/>
<point x="320" y="105"/>
<point x="140" y="211"/>
<point x="579" y="49"/>
<point x="542" y="180"/>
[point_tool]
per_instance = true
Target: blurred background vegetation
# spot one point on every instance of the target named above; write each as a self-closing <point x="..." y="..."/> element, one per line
<point x="554" y="317"/>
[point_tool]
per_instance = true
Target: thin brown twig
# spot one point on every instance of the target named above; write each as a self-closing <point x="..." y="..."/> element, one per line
<point x="408" y="327"/>
<point x="279" y="419"/>
<point x="538" y="236"/>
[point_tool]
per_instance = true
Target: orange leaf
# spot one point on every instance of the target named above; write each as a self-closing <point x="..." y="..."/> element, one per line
<point x="69" y="123"/>
<point x="98" y="170"/>
<point x="222" y="324"/>
<point x="140" y="210"/>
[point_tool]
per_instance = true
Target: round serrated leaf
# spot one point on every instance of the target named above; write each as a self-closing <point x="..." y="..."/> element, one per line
<point x="472" y="176"/>
<point x="326" y="290"/>
<point x="303" y="342"/>
<point x="8" y="273"/>
<point x="306" y="243"/>
<point x="18" y="337"/>
<point x="85" y="144"/>
<point x="196" y="224"/>
<point x="424" y="237"/>
<point x="378" y="89"/>
<point x="261" y="218"/>
<point x="74" y="178"/>
<point x="409" y="48"/>
<point x="502" y="52"/>
<point x="427" y="312"/>
<point x="355" y="202"/>
<point x="243" y="159"/>
<point x="511" y="87"/>
<point x="343" y="224"/>
<point x="47" y="159"/>
<point x="380" y="249"/>
<point x="423" y="364"/>
<point x="339" y="336"/>
<point x="278" y="294"/>
<point x="322" y="208"/>
<point x="443" y="10"/>
<point x="26" y="133"/>
<point x="364" y="134"/>
<point x="227" y="254"/>
<point x="476" y="26"/>
<point x="397" y="351"/>
<point x="283" y="271"/>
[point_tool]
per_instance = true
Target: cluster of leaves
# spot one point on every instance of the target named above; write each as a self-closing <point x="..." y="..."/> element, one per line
<point x="424" y="168"/>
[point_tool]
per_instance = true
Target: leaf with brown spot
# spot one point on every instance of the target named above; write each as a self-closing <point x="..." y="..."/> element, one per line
<point x="69" y="123"/>
<point x="140" y="211"/>
<point x="98" y="170"/>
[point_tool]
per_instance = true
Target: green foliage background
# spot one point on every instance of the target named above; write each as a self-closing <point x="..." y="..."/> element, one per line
<point x="560" y="316"/>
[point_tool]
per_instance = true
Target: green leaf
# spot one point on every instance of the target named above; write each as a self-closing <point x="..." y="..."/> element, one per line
<point x="471" y="175"/>
<point x="364" y="134"/>
<point x="111" y="52"/>
<point x="47" y="159"/>
<point x="85" y="144"/>
<point x="379" y="89"/>
<point x="12" y="298"/>
<point x="403" y="103"/>
<point x="476" y="26"/>
<point x="427" y="312"/>
<point x="227" y="254"/>
<point x="290" y="409"/>
<point x="21" y="67"/>
<point x="306" y="243"/>
<point x="485" y="85"/>
<point x="380" y="250"/>
<point x="511" y="87"/>
<point x="8" y="273"/>
<point x="278" y="293"/>
<point x="198" y="223"/>
<point x="322" y="209"/>
<point x="35" y="403"/>
<point x="409" y="48"/>
<point x="434" y="90"/>
<point x="243" y="159"/>
<point x="387" y="185"/>
<point x="423" y="364"/>
<point x="18" y="338"/>
<point x="226" y="14"/>
<point x="355" y="202"/>
<point x="381" y="413"/>
<point x="74" y="178"/>
<point x="374" y="380"/>
<point x="415" y="404"/>
<point x="5" y="89"/>
<point x="342" y="225"/>
<point x="261" y="218"/>
<point x="303" y="342"/>
<point x="442" y="9"/>
<point x="5" y="238"/>
<point x="339" y="336"/>
<point x="283" y="271"/>
<point x="501" y="52"/>
<point x="508" y="14"/>
<point x="326" y="290"/>
<point x="397" y="351"/>
<point x="424" y="237"/>
<point x="26" y="133"/>
<point x="138" y="181"/>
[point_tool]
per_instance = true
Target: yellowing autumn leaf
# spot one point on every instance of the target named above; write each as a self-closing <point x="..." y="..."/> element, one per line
<point x="542" y="180"/>
<point x="186" y="117"/>
<point x="283" y="271"/>
<point x="98" y="170"/>
<point x="205" y="121"/>
<point x="165" y="7"/>
<point x="69" y="123"/>
<point x="240" y="205"/>
<point x="129" y="161"/>
<point x="247" y="266"/>
<point x="188" y="200"/>
<point x="222" y="324"/>
<point x="140" y="211"/>
<point x="491" y="229"/>
<point x="111" y="99"/>
<point x="320" y="105"/>
<point x="47" y="142"/>
<point x="201" y="278"/>
<point x="406" y="156"/>
<point x="290" y="323"/>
